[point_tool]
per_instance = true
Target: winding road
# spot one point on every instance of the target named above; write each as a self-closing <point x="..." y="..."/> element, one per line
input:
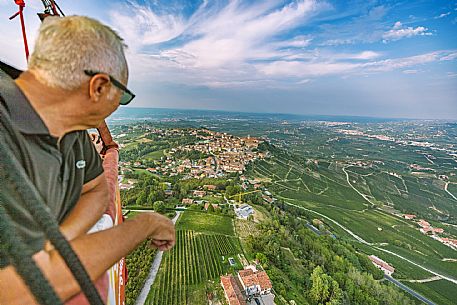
<point x="361" y="240"/>
<point x="445" y="188"/>
<point x="409" y="290"/>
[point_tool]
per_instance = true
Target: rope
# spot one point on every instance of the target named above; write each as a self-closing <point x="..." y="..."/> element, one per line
<point x="20" y="13"/>
<point x="21" y="258"/>
<point x="12" y="174"/>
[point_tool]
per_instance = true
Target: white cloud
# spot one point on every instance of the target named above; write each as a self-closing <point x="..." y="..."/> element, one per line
<point x="322" y="68"/>
<point x="140" y="26"/>
<point x="410" y="71"/>
<point x="442" y="15"/>
<point x="450" y="56"/>
<point x="398" y="32"/>
<point x="238" y="33"/>
<point x="242" y="45"/>
<point x="364" y="55"/>
<point x="304" y="69"/>
<point x="404" y="62"/>
<point x="397" y="25"/>
<point x="217" y="37"/>
<point x="296" y="42"/>
<point x="337" y="42"/>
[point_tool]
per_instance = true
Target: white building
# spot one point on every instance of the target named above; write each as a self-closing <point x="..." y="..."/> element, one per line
<point x="244" y="211"/>
<point x="380" y="264"/>
<point x="254" y="282"/>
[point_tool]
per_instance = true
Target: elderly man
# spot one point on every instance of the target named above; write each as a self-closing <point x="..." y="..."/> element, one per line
<point x="76" y="78"/>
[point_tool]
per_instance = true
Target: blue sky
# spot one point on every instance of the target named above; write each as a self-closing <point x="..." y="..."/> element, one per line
<point x="369" y="58"/>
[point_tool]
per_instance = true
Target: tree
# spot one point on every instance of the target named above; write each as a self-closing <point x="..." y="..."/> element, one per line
<point x="159" y="207"/>
<point x="324" y="289"/>
<point x="142" y="198"/>
<point x="262" y="259"/>
<point x="210" y="208"/>
<point x="152" y="197"/>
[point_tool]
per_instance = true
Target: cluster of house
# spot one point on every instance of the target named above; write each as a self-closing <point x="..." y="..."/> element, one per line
<point x="450" y="242"/>
<point x="125" y="185"/>
<point x="380" y="264"/>
<point x="257" y="185"/>
<point x="248" y="284"/>
<point x="228" y="154"/>
<point x="198" y="194"/>
<point x="242" y="211"/>
<point x="426" y="228"/>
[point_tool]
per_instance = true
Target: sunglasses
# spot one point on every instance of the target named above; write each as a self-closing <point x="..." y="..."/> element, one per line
<point x="127" y="95"/>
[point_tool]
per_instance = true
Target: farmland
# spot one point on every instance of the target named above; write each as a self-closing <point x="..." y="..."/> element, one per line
<point x="361" y="198"/>
<point x="197" y="260"/>
<point x="442" y="291"/>
<point x="138" y="265"/>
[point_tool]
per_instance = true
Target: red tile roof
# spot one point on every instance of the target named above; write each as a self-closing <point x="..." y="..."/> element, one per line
<point x="264" y="280"/>
<point x="381" y="263"/>
<point x="232" y="290"/>
<point x="260" y="278"/>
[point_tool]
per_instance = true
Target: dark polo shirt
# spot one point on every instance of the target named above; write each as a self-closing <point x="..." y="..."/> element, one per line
<point x="57" y="169"/>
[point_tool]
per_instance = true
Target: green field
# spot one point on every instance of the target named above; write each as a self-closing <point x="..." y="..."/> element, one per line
<point x="206" y="223"/>
<point x="203" y="245"/>
<point x="138" y="266"/>
<point x="195" y="259"/>
<point x="441" y="291"/>
<point x="332" y="189"/>
<point x="155" y="155"/>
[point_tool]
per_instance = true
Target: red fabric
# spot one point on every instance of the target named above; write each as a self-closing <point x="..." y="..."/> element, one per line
<point x="110" y="165"/>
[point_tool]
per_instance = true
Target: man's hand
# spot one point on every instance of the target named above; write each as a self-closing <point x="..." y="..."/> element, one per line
<point x="163" y="236"/>
<point x="97" y="251"/>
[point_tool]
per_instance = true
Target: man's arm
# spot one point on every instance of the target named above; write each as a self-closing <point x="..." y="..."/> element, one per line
<point x="97" y="251"/>
<point x="90" y="207"/>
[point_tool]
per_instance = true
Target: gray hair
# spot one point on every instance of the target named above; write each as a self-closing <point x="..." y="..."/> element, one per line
<point x="67" y="46"/>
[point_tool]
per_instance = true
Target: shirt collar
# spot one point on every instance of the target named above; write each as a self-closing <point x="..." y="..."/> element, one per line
<point x="22" y="114"/>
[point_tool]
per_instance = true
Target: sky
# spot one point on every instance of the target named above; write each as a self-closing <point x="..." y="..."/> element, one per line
<point x="352" y="57"/>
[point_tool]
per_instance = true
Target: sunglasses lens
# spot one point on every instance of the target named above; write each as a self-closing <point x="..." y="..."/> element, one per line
<point x="126" y="98"/>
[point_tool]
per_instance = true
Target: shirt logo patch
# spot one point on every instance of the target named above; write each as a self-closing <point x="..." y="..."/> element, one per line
<point x="81" y="164"/>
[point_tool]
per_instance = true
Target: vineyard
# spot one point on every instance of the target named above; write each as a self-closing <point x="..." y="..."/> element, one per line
<point x="195" y="259"/>
<point x="138" y="265"/>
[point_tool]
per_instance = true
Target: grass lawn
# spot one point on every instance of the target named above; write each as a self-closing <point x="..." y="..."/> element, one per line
<point x="155" y="155"/>
<point x="205" y="223"/>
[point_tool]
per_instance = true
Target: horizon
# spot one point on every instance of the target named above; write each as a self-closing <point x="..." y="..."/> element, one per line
<point x="289" y="114"/>
<point x="385" y="58"/>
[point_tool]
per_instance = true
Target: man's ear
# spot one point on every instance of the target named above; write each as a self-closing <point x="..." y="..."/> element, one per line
<point x="99" y="85"/>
